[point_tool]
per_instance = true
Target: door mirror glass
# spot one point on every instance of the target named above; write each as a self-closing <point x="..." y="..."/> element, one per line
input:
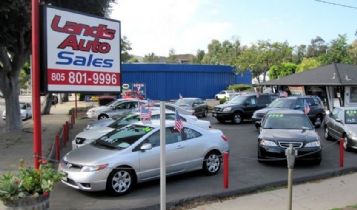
<point x="146" y="146"/>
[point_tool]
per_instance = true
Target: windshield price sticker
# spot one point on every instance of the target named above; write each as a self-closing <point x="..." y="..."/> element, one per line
<point x="351" y="113"/>
<point x="276" y="115"/>
<point x="82" y="52"/>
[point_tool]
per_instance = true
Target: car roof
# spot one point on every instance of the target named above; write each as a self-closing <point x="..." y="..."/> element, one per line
<point x="155" y="123"/>
<point x="285" y="111"/>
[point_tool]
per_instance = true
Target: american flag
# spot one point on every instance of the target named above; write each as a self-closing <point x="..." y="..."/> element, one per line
<point x="178" y="122"/>
<point x="306" y="107"/>
<point x="145" y="113"/>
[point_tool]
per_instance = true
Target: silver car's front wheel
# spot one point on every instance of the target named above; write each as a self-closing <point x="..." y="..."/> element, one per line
<point x="212" y="163"/>
<point x="120" y="181"/>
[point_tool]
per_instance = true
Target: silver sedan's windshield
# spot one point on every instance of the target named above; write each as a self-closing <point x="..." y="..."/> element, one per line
<point x="124" y="137"/>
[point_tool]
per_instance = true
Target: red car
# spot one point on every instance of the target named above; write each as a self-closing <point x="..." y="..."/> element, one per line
<point x="132" y="94"/>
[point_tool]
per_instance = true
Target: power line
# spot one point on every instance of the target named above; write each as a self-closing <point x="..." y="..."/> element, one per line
<point x="336" y="4"/>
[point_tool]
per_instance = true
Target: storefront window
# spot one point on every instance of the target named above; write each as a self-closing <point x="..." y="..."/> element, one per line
<point x="353" y="98"/>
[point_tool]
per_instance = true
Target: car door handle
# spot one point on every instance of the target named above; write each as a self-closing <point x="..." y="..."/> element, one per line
<point x="179" y="147"/>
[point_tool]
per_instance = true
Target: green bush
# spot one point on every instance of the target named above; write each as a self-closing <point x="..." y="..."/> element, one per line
<point x="223" y="100"/>
<point x="240" y="87"/>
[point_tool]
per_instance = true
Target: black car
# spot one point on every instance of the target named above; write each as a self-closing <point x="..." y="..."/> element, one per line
<point x="316" y="111"/>
<point x="280" y="128"/>
<point x="241" y="107"/>
<point x="199" y="106"/>
<point x="342" y="122"/>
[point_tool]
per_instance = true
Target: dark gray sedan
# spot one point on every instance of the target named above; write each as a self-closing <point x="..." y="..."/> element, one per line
<point x="280" y="128"/>
<point x="342" y="122"/>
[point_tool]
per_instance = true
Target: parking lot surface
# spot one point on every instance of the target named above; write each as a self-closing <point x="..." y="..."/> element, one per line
<point x="245" y="174"/>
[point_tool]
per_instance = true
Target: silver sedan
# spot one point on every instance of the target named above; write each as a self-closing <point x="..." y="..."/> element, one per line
<point x="130" y="155"/>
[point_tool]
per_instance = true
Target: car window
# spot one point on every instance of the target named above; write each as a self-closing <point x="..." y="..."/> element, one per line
<point x="252" y="101"/>
<point x="300" y="103"/>
<point x="351" y="116"/>
<point x="263" y="100"/>
<point x="170" y="116"/>
<point x="287" y="121"/>
<point x="188" y="133"/>
<point x="311" y="102"/>
<point x="154" y="139"/>
<point x="340" y="115"/>
<point x="121" y="106"/>
<point x="282" y="103"/>
<point x="335" y="113"/>
<point x="172" y="136"/>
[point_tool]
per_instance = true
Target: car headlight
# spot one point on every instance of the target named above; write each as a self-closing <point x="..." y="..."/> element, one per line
<point x="94" y="168"/>
<point x="227" y="109"/>
<point x="351" y="134"/>
<point x="268" y="143"/>
<point x="313" y="144"/>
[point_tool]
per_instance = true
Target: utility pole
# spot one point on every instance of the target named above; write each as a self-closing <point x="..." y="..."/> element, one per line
<point x="290" y="156"/>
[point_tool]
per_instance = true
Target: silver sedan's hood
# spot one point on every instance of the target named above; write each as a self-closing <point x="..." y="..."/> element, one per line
<point x="351" y="128"/>
<point x="100" y="123"/>
<point x="91" y="155"/>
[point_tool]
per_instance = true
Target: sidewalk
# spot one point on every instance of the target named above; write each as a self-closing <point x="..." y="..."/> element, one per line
<point x="16" y="146"/>
<point x="337" y="192"/>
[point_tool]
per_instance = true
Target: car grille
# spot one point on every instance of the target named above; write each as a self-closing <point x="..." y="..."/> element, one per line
<point x="80" y="140"/>
<point x="286" y="144"/>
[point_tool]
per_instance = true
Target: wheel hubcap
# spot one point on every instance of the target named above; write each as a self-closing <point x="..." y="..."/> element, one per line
<point x="213" y="163"/>
<point x="121" y="181"/>
<point x="237" y="118"/>
<point x="345" y="143"/>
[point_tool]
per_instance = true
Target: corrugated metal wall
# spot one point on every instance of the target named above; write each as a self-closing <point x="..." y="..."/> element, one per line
<point x="167" y="81"/>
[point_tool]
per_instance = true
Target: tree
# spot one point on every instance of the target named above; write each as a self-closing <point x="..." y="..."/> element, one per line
<point x="259" y="58"/>
<point x="125" y="48"/>
<point x="299" y="53"/>
<point x="172" y="56"/>
<point x="15" y="46"/>
<point x="307" y="64"/>
<point x="199" y="56"/>
<point x="223" y="53"/>
<point x="151" y="58"/>
<point x="316" y="48"/>
<point x="282" y="70"/>
<point x="337" y="51"/>
<point x="352" y="52"/>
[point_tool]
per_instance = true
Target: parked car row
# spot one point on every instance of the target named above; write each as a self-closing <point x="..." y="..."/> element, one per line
<point x="25" y="111"/>
<point x="114" y="154"/>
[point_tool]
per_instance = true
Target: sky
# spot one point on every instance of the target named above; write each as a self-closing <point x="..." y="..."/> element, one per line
<point x="188" y="25"/>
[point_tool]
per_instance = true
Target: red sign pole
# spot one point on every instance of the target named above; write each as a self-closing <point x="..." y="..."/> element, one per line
<point x="75" y="100"/>
<point x="36" y="104"/>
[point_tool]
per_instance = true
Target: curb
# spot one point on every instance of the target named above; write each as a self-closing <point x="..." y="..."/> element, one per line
<point x="211" y="198"/>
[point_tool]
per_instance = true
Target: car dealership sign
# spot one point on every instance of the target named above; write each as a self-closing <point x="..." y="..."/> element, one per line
<point x="81" y="52"/>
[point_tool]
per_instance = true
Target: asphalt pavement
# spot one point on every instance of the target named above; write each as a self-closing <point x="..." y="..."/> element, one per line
<point x="246" y="174"/>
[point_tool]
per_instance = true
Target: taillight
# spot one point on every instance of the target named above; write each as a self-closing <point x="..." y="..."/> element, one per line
<point x="224" y="138"/>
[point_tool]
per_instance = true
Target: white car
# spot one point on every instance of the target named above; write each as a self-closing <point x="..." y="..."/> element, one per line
<point x="113" y="108"/>
<point x="224" y="94"/>
<point x="95" y="131"/>
<point x="25" y="111"/>
<point x="130" y="155"/>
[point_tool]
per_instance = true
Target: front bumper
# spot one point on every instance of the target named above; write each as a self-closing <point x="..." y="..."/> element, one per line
<point x="86" y="181"/>
<point x="222" y="115"/>
<point x="304" y="153"/>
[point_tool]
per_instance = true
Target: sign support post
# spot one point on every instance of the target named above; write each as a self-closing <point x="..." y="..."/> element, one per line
<point x="36" y="103"/>
<point x="162" y="157"/>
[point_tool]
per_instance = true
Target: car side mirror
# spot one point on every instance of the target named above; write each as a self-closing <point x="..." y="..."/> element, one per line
<point x="146" y="146"/>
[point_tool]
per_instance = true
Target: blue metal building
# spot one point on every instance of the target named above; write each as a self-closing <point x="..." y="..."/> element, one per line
<point x="168" y="81"/>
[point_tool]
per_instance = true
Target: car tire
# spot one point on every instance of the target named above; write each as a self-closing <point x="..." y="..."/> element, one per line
<point x="204" y="114"/>
<point x="120" y="181"/>
<point x="346" y="144"/>
<point x="102" y="116"/>
<point x="212" y="163"/>
<point x="237" y="118"/>
<point x="327" y="135"/>
<point x="318" y="119"/>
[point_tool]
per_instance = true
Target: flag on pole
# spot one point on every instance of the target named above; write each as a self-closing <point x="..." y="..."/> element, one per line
<point x="306" y="107"/>
<point x="178" y="122"/>
<point x="145" y="113"/>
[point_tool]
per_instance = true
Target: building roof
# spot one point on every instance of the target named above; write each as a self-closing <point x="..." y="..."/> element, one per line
<point x="335" y="74"/>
